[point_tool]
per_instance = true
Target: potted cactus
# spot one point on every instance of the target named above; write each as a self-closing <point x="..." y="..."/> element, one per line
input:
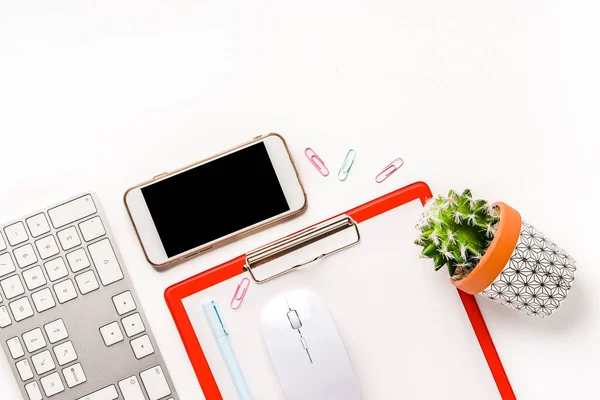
<point x="489" y="250"/>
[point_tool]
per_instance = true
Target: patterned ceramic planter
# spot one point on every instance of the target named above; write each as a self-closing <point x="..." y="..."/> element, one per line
<point x="522" y="268"/>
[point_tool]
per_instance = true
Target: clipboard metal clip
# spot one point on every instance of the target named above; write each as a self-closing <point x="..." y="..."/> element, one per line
<point x="296" y="241"/>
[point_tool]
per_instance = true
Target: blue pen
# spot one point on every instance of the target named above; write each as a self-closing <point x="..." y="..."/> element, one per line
<point x="216" y="323"/>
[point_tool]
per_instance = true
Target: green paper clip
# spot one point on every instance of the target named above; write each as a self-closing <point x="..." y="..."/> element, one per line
<point x="347" y="165"/>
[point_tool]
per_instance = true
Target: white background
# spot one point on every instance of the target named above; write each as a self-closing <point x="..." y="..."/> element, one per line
<point x="501" y="97"/>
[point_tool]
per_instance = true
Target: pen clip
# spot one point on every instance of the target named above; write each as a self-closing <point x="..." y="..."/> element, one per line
<point x="219" y="317"/>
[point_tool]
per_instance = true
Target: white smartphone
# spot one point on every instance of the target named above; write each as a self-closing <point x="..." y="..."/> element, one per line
<point x="180" y="214"/>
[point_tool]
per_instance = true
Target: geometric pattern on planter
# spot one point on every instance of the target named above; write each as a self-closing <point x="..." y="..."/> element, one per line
<point x="537" y="278"/>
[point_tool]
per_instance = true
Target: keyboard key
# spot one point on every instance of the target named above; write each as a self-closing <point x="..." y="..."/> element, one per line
<point x="56" y="269"/>
<point x="92" y="229"/>
<point x="47" y="247"/>
<point x="38" y="225"/>
<point x="111" y="334"/>
<point x="12" y="287"/>
<point x="33" y="391"/>
<point x="78" y="260"/>
<point x="56" y="331"/>
<point x="87" y="282"/>
<point x="24" y="370"/>
<point x="43" y="300"/>
<point x="6" y="264"/>
<point x="34" y="278"/>
<point x="155" y="383"/>
<point x="69" y="238"/>
<point x="21" y="309"/>
<point x="4" y="317"/>
<point x="34" y="340"/>
<point x="74" y="375"/>
<point x="108" y="393"/>
<point x="124" y="303"/>
<point x="133" y="325"/>
<point x="16" y="233"/>
<point x="142" y="347"/>
<point x="52" y="384"/>
<point x="106" y="263"/>
<point x="43" y="362"/>
<point x="65" y="291"/>
<point x="72" y="211"/>
<point x="15" y="348"/>
<point x="65" y="353"/>
<point x="25" y="256"/>
<point x="2" y="243"/>
<point x="131" y="389"/>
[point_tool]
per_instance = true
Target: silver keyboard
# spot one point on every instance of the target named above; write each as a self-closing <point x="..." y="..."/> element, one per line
<point x="71" y="325"/>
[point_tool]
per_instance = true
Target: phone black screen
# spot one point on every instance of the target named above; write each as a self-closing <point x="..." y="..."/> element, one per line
<point x="215" y="199"/>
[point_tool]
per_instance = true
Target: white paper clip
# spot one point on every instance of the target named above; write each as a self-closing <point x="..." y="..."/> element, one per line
<point x="389" y="170"/>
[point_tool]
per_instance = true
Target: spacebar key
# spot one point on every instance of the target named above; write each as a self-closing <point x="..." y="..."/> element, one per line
<point x="106" y="262"/>
<point x="108" y="393"/>
<point x="72" y="211"/>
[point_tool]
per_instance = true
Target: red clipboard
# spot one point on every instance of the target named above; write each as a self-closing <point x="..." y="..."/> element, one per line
<point x="175" y="294"/>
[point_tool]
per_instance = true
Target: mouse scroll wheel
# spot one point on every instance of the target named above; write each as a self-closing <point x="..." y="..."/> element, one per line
<point x="294" y="319"/>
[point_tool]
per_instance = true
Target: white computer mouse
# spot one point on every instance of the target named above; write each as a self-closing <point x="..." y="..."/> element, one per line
<point x="306" y="349"/>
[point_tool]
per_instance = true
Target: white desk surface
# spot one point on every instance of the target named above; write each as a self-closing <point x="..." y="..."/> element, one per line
<point x="501" y="97"/>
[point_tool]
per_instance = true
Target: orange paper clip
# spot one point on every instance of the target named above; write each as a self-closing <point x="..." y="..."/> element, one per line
<point x="240" y="293"/>
<point x="316" y="161"/>
<point x="389" y="170"/>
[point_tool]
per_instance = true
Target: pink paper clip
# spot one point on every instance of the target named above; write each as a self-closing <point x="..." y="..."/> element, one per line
<point x="389" y="170"/>
<point x="316" y="161"/>
<point x="238" y="297"/>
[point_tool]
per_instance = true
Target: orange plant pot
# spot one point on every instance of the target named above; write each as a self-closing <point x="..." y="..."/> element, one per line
<point x="497" y="255"/>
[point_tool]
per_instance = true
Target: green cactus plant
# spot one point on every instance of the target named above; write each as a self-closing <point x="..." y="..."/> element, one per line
<point x="455" y="231"/>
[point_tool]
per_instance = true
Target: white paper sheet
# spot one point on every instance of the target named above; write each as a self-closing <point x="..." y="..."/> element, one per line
<point x="404" y="326"/>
